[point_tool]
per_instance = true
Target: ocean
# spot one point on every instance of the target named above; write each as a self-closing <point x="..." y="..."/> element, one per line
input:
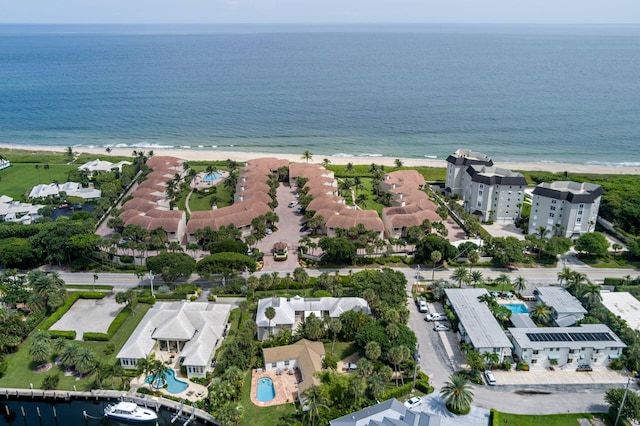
<point x="538" y="93"/>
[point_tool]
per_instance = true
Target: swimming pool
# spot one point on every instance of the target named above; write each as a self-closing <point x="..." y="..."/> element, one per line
<point x="173" y="385"/>
<point x="265" y="391"/>
<point x="209" y="177"/>
<point x="517" y="308"/>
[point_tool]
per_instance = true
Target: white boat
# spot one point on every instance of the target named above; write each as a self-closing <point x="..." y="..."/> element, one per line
<point x="129" y="411"/>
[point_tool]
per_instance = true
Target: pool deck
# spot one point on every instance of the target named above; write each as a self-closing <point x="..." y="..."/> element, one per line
<point x="199" y="183"/>
<point x="285" y="385"/>
<point x="194" y="391"/>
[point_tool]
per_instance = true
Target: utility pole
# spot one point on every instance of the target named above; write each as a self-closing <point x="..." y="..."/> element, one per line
<point x="624" y="398"/>
<point x="416" y="357"/>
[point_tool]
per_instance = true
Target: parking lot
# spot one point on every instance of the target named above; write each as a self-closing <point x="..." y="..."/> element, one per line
<point x="559" y="377"/>
<point x="288" y="232"/>
<point x="100" y="311"/>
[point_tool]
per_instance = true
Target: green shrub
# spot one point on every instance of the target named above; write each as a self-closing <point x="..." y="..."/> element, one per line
<point x="118" y="321"/>
<point x="522" y="366"/>
<point x="147" y="299"/>
<point x="494" y="417"/>
<point x="424" y="386"/>
<point x="397" y="392"/>
<point x="65" y="334"/>
<point x="3" y="365"/>
<point x="126" y="259"/>
<point x="95" y="337"/>
<point x="184" y="289"/>
<point x="109" y="349"/>
<point x="50" y="382"/>
<point x="613" y="281"/>
<point x="464" y="411"/>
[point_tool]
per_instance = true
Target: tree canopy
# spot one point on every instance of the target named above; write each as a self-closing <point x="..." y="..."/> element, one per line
<point x="431" y="243"/>
<point x="592" y="243"/>
<point x="226" y="264"/>
<point x="171" y="266"/>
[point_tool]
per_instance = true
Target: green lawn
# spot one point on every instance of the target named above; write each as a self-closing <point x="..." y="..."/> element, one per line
<point x="19" y="372"/>
<point x="569" y="419"/>
<point x="619" y="261"/>
<point x="263" y="416"/>
<point x="341" y="349"/>
<point x="18" y="179"/>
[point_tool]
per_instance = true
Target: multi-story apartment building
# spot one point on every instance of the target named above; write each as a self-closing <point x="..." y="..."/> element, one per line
<point x="564" y="208"/>
<point x="457" y="164"/>
<point x="492" y="193"/>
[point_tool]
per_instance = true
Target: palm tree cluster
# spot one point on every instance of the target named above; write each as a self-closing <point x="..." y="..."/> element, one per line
<point x="47" y="290"/>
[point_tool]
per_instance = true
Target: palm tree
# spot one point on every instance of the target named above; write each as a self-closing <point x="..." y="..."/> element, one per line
<point x="108" y="149"/>
<point x="85" y="360"/>
<point x="307" y="155"/>
<point x="372" y="350"/>
<point x="315" y="400"/>
<point x="457" y="394"/>
<point x="502" y="279"/>
<point x="325" y="162"/>
<point x="70" y="355"/>
<point x="335" y="327"/>
<point x="565" y="275"/>
<point x="41" y="347"/>
<point x="590" y="294"/>
<point x="473" y="257"/>
<point x="476" y="278"/>
<point x="398" y="162"/>
<point x="519" y="284"/>
<point x="436" y="257"/>
<point x="397" y="355"/>
<point x="270" y="313"/>
<point x="542" y="232"/>
<point x="491" y="359"/>
<point x="460" y="274"/>
<point x="541" y="313"/>
<point x="357" y="386"/>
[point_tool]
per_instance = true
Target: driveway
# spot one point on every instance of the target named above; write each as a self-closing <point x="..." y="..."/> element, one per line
<point x="434" y="404"/>
<point x="288" y="232"/>
<point x="89" y="315"/>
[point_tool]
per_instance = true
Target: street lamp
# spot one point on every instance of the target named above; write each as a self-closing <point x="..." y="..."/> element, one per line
<point x="151" y="277"/>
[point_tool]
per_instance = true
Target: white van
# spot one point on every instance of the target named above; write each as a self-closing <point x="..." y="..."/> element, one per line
<point x="491" y="380"/>
<point x="422" y="307"/>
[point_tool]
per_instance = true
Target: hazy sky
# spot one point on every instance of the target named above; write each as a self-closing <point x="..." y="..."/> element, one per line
<point x="319" y="11"/>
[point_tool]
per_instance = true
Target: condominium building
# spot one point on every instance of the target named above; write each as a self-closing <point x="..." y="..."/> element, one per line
<point x="493" y="193"/>
<point x="457" y="164"/>
<point x="565" y="208"/>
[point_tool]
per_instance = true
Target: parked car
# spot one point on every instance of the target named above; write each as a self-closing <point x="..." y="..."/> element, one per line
<point x="488" y="376"/>
<point x="352" y="367"/>
<point x="293" y="204"/>
<point x="584" y="367"/>
<point x="299" y="210"/>
<point x="422" y="306"/>
<point x="413" y="402"/>
<point x="268" y="231"/>
<point x="441" y="327"/>
<point x="304" y="228"/>
<point x="436" y="316"/>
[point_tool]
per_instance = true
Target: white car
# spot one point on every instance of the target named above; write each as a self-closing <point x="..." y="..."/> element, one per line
<point x="436" y="316"/>
<point x="441" y="327"/>
<point x="413" y="402"/>
<point x="489" y="377"/>
<point x="268" y="231"/>
<point x="422" y="307"/>
<point x="293" y="204"/>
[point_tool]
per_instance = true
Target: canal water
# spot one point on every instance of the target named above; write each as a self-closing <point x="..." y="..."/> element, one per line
<point x="68" y="413"/>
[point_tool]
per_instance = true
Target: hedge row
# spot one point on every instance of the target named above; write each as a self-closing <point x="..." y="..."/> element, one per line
<point x="397" y="392"/>
<point x="113" y="328"/>
<point x="65" y="334"/>
<point x="68" y="303"/>
<point x="613" y="281"/>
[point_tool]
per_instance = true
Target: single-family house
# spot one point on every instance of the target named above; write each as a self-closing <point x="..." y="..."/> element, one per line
<point x="388" y="413"/>
<point x="304" y="356"/>
<point x="291" y="312"/>
<point x="189" y="330"/>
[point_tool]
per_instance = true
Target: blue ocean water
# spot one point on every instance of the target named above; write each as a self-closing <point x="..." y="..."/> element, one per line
<point x="518" y="93"/>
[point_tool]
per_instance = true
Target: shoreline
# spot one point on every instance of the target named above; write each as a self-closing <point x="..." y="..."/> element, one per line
<point x="211" y="155"/>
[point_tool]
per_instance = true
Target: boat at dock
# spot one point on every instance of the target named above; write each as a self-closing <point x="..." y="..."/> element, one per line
<point x="130" y="412"/>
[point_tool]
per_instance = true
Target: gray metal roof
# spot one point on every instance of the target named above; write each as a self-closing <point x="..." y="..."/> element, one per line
<point x="478" y="321"/>
<point x="522" y="321"/>
<point x="388" y="413"/>
<point x="495" y="176"/>
<point x="539" y="338"/>
<point x="560" y="300"/>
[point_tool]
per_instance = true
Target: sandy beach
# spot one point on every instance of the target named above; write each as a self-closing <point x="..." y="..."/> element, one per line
<point x="211" y="155"/>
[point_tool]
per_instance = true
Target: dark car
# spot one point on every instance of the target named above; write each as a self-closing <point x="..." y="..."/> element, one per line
<point x="584" y="367"/>
<point x="304" y="229"/>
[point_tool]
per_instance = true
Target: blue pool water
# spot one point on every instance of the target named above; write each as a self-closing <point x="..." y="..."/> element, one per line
<point x="265" y="391"/>
<point x="209" y="177"/>
<point x="517" y="308"/>
<point x="173" y="385"/>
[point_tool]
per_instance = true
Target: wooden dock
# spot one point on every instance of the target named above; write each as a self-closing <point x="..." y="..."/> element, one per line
<point x="147" y="401"/>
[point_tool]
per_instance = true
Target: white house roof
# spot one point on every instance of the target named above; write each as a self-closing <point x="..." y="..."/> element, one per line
<point x="98" y="165"/>
<point x="286" y="308"/>
<point x="596" y="336"/>
<point x="197" y="323"/>
<point x="388" y="413"/>
<point x="476" y="318"/>
<point x="623" y="304"/>
<point x="560" y="300"/>
<point x="73" y="189"/>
